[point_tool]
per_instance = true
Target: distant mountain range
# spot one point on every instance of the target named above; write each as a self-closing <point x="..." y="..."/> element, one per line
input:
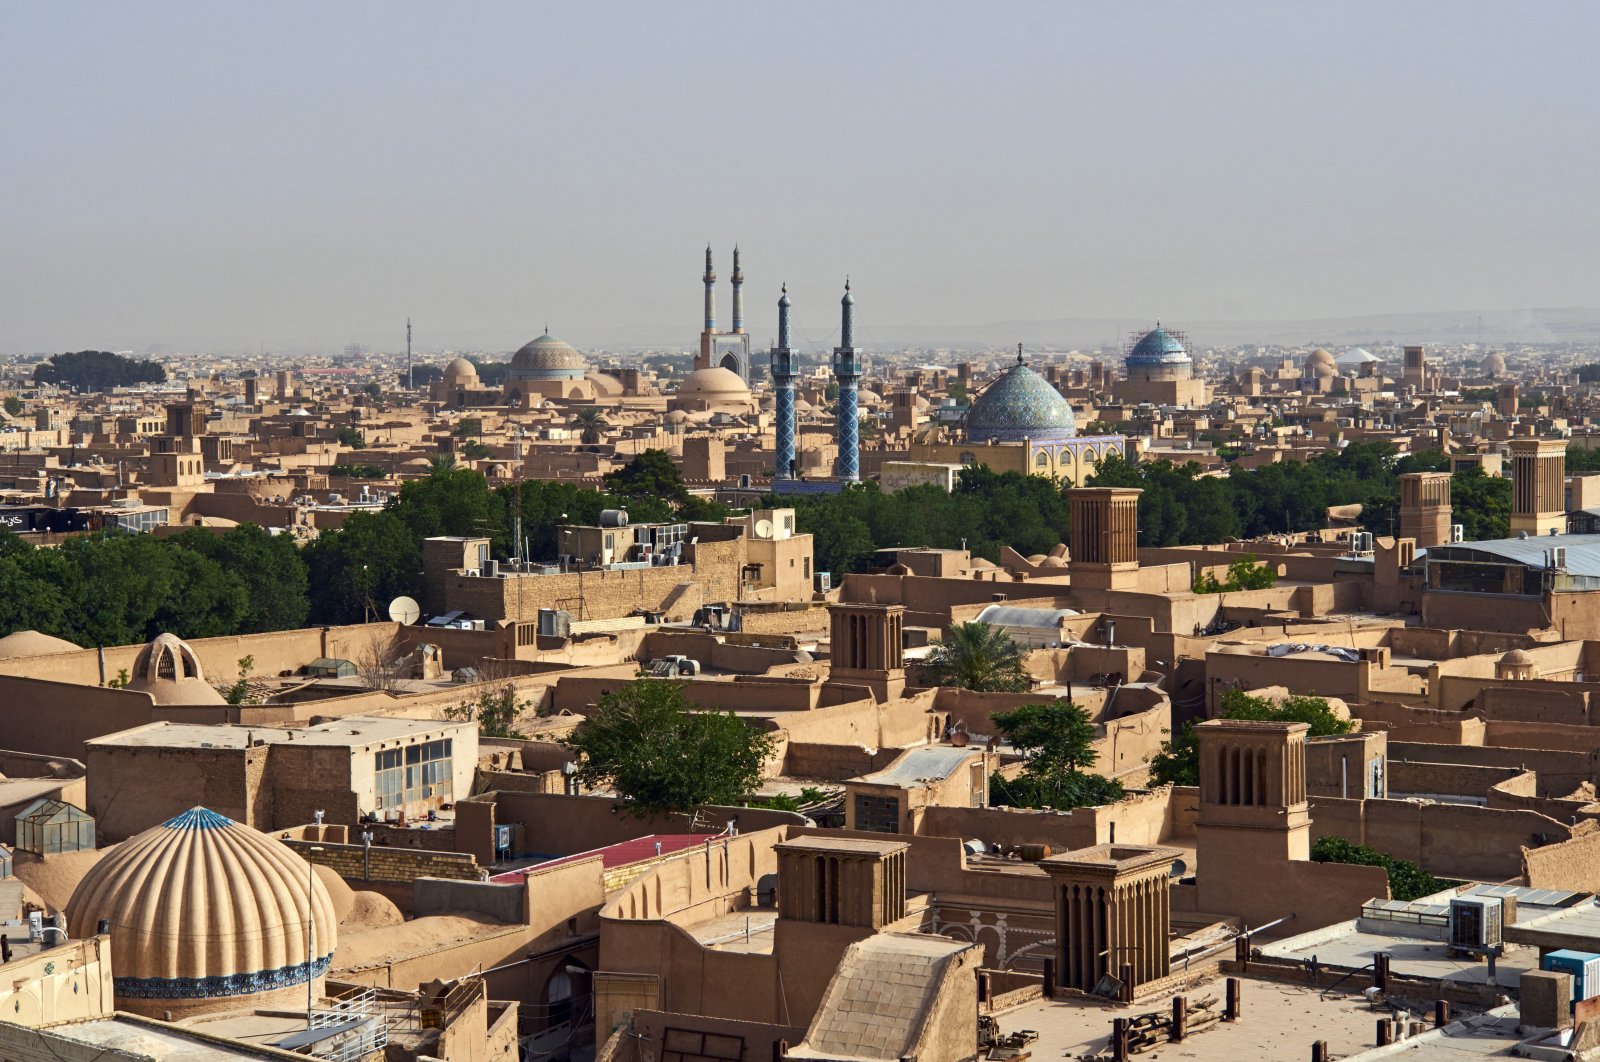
<point x="1564" y="325"/>
<point x="1580" y="326"/>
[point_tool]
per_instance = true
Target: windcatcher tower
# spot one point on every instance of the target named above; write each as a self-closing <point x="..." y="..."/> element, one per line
<point x="1425" y="508"/>
<point x="1538" y="486"/>
<point x="847" y="371"/>
<point x="1105" y="538"/>
<point x="784" y="370"/>
<point x="1414" y="370"/>
<point x="866" y="647"/>
<point x="1253" y="810"/>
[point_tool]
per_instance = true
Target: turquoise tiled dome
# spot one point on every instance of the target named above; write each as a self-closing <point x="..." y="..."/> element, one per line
<point x="1020" y="405"/>
<point x="1157" y="347"/>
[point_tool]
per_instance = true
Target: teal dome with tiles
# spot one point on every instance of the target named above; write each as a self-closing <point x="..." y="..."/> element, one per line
<point x="1020" y="405"/>
<point x="1157" y="347"/>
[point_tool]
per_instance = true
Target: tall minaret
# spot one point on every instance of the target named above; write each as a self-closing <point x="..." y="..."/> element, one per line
<point x="847" y="370"/>
<point x="711" y="294"/>
<point x="738" y="294"/>
<point x="783" y="375"/>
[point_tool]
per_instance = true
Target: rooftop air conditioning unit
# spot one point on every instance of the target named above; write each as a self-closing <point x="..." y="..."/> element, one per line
<point x="823" y="581"/>
<point x="491" y="569"/>
<point x="1558" y="558"/>
<point x="1458" y="533"/>
<point x="1476" y="923"/>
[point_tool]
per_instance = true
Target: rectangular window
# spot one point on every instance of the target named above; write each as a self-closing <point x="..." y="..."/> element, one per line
<point x="878" y="814"/>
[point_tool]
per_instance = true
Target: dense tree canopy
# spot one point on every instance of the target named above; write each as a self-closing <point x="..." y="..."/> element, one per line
<point x="986" y="511"/>
<point x="97" y="370"/>
<point x="661" y="753"/>
<point x="1181" y="506"/>
<point x="1407" y="881"/>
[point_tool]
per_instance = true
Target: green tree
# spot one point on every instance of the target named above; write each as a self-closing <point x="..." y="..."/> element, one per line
<point x="237" y="692"/>
<point x="591" y="424"/>
<point x="13" y="406"/>
<point x="357" y="570"/>
<point x="1481" y="504"/>
<point x="651" y="474"/>
<point x="1407" y="881"/>
<point x="97" y="370"/>
<point x="473" y="450"/>
<point x="271" y="567"/>
<point x="351" y="438"/>
<point x="652" y="746"/>
<point x="496" y="713"/>
<point x="468" y="426"/>
<point x="1177" y="762"/>
<point x="453" y="501"/>
<point x="1056" y="740"/>
<point x="1243" y="574"/>
<point x="976" y="656"/>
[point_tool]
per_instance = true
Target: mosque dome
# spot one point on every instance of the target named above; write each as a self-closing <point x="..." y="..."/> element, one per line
<point x="460" y="370"/>
<point x="548" y="358"/>
<point x="1021" y="404"/>
<point x="1321" y="363"/>
<point x="715" y="381"/>
<point x="1157" y="347"/>
<point x="203" y="909"/>
<point x="1494" y="364"/>
<point x="169" y="672"/>
<point x="605" y="385"/>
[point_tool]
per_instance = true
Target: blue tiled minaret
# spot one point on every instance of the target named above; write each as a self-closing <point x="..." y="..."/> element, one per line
<point x="784" y="368"/>
<point x="711" y="293"/>
<point x="847" y="370"/>
<point x="738" y="293"/>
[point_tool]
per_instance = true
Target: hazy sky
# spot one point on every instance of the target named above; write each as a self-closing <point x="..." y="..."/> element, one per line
<point x="301" y="174"/>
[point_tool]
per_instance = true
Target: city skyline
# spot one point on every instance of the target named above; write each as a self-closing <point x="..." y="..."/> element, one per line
<point x="308" y="177"/>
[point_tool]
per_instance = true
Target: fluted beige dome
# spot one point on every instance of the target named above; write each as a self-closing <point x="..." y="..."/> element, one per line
<point x="168" y="671"/>
<point x="204" y="908"/>
<point x="1321" y="362"/>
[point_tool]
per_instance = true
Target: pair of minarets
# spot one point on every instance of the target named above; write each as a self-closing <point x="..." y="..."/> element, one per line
<point x="711" y="294"/>
<point x="846" y="371"/>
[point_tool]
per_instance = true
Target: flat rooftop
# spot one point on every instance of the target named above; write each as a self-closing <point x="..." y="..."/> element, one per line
<point x="1278" y="1021"/>
<point x="153" y="1040"/>
<point x="351" y="731"/>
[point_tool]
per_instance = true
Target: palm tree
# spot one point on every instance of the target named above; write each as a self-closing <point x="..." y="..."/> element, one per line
<point x="591" y="420"/>
<point x="976" y="656"/>
<point x="441" y="464"/>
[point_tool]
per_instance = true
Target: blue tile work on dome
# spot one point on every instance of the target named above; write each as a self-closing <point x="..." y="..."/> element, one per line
<point x="1157" y="347"/>
<point x="218" y="986"/>
<point x="1020" y="405"/>
<point x="197" y="819"/>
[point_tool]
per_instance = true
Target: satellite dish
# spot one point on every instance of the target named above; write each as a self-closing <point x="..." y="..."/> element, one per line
<point x="405" y="610"/>
<point x="763" y="528"/>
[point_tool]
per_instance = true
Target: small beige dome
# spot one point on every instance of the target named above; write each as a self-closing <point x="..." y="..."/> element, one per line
<point x="1321" y="362"/>
<point x="204" y="909"/>
<point x="32" y="643"/>
<point x="1494" y="364"/>
<point x="1516" y="656"/>
<point x="605" y="385"/>
<point x="168" y="671"/>
<point x="715" y="381"/>
<point x="460" y="371"/>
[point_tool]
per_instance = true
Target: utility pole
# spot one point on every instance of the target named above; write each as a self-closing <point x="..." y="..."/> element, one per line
<point x="410" y="383"/>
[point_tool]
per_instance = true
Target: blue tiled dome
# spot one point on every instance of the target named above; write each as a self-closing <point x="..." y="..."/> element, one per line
<point x="1020" y="405"/>
<point x="1157" y="347"/>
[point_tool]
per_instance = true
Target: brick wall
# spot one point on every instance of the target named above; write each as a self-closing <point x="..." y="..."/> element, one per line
<point x="387" y="864"/>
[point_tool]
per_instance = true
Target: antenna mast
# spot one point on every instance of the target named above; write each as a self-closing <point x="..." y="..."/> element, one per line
<point x="410" y="383"/>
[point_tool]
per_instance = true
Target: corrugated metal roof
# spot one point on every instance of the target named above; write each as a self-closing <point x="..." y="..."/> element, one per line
<point x="937" y="763"/>
<point x="1583" y="551"/>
